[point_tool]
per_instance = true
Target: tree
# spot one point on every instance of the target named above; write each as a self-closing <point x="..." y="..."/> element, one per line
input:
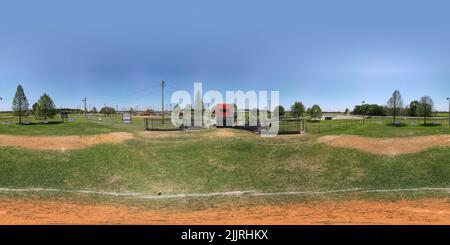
<point x="369" y="109"/>
<point x="298" y="109"/>
<point x="20" y="103"/>
<point x="413" y="110"/>
<point x="94" y="110"/>
<point x="35" y="109"/>
<point x="376" y="110"/>
<point x="46" y="107"/>
<point x="395" y="104"/>
<point x="315" y="112"/>
<point x="280" y="110"/>
<point x="347" y="111"/>
<point x="109" y="110"/>
<point x="426" y="106"/>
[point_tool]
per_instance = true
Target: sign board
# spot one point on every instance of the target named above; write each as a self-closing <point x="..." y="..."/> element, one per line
<point x="126" y="118"/>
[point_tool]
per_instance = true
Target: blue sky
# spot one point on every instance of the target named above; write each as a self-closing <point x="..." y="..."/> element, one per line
<point x="333" y="53"/>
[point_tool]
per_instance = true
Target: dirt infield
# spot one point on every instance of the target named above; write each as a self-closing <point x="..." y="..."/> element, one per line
<point x="390" y="146"/>
<point x="62" y="143"/>
<point x="425" y="211"/>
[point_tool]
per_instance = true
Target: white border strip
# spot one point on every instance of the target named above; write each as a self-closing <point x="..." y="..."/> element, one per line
<point x="215" y="194"/>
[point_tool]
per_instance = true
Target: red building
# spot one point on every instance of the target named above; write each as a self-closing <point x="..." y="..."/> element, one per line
<point x="224" y="115"/>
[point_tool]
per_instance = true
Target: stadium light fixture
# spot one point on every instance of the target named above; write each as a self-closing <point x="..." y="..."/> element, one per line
<point x="448" y="98"/>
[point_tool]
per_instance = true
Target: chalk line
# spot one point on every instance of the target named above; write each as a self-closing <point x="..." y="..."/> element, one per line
<point x="215" y="194"/>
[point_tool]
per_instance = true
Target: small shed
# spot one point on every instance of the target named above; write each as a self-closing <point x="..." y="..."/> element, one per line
<point x="224" y="113"/>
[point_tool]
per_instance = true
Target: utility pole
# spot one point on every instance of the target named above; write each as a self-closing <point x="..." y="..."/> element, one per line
<point x="364" y="109"/>
<point x="448" y="111"/>
<point x="85" y="108"/>
<point x="163" y="84"/>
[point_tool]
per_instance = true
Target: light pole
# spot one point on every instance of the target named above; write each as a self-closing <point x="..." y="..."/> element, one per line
<point x="163" y="84"/>
<point x="448" y="111"/>
<point x="364" y="111"/>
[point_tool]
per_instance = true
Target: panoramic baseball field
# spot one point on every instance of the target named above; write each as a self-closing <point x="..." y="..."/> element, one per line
<point x="91" y="171"/>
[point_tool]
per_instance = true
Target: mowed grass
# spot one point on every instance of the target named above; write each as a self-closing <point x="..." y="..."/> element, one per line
<point x="80" y="126"/>
<point x="388" y="131"/>
<point x="206" y="162"/>
<point x="55" y="128"/>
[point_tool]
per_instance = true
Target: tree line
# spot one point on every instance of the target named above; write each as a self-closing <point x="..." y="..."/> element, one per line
<point x="45" y="107"/>
<point x="298" y="110"/>
<point x="394" y="107"/>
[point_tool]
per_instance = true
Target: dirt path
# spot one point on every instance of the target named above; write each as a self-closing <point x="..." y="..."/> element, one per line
<point x="389" y="146"/>
<point x="425" y="211"/>
<point x="62" y="143"/>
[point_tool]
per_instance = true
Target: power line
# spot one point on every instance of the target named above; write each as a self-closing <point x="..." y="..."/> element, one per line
<point x="132" y="94"/>
<point x="172" y="87"/>
<point x="139" y="97"/>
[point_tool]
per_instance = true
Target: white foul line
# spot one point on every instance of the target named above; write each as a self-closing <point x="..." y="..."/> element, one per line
<point x="228" y="193"/>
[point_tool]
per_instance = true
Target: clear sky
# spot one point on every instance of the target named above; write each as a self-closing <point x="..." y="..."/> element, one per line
<point x="333" y="53"/>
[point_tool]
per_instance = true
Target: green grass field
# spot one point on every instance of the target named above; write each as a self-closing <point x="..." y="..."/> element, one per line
<point x="203" y="162"/>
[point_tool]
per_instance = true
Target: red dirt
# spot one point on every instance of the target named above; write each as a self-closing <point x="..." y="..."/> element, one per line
<point x="62" y="143"/>
<point x="424" y="211"/>
<point x="389" y="146"/>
